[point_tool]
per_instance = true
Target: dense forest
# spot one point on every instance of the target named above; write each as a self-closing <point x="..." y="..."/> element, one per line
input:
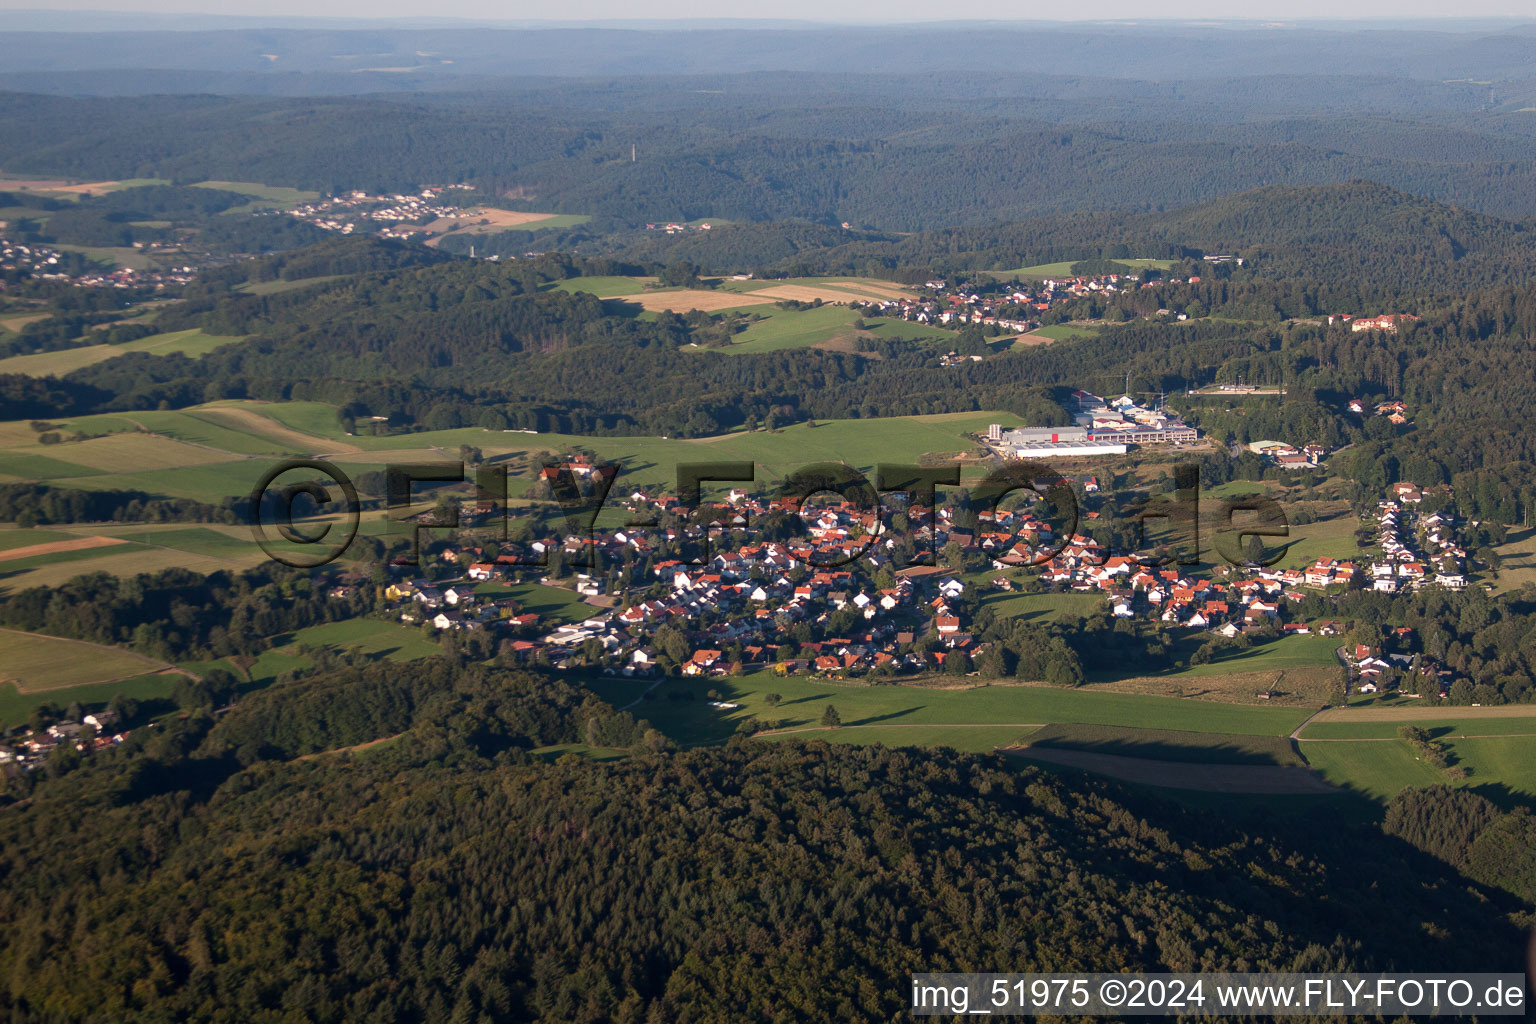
<point x="891" y="154"/>
<point x="198" y="873"/>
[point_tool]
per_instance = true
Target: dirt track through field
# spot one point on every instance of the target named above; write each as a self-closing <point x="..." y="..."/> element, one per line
<point x="54" y="547"/>
<point x="251" y="422"/>
<point x="1208" y="778"/>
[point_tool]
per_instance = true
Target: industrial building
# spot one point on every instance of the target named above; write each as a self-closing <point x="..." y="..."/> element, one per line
<point x="1100" y="428"/>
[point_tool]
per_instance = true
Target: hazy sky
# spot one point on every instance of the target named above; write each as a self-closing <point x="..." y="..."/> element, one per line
<point x="854" y="11"/>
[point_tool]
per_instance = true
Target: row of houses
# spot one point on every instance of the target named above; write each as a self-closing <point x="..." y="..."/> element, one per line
<point x="1400" y="532"/>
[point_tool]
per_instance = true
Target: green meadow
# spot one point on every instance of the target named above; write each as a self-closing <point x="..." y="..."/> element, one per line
<point x="807" y="328"/>
<point x="1065" y="332"/>
<point x="917" y="712"/>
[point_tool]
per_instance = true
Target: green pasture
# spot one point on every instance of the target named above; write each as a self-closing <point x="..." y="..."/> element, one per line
<point x="921" y="710"/>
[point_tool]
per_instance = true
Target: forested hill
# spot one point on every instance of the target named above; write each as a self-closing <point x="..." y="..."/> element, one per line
<point x="202" y="873"/>
<point x="1359" y="233"/>
<point x="902" y="157"/>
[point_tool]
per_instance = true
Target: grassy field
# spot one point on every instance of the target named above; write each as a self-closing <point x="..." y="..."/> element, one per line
<point x="16" y="706"/>
<point x="604" y="286"/>
<point x="1360" y="747"/>
<point x="1379" y="770"/>
<point x="1044" y="607"/>
<point x="1499" y="760"/>
<point x="275" y="286"/>
<point x="12" y="538"/>
<point x="194" y="342"/>
<point x="273" y="194"/>
<point x="36" y="663"/>
<point x="1064" y="268"/>
<point x="920" y="712"/>
<point x="1066" y="332"/>
<point x="132" y="259"/>
<point x="1168" y="744"/>
<point x="974" y="739"/>
<point x="1328" y="538"/>
<point x="1517" y="558"/>
<point x="1287" y="652"/>
<point x="555" y="604"/>
<point x="127" y="549"/>
<point x="824" y="326"/>
<point x="1451" y="726"/>
<point x="393" y="640"/>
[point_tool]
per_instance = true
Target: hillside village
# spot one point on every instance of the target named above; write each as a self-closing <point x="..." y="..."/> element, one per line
<point x="843" y="599"/>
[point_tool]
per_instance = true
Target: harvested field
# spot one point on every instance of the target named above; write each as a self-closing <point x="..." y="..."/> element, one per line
<point x="1208" y="778"/>
<point x="684" y="299"/>
<point x="54" y="547"/>
<point x="469" y="223"/>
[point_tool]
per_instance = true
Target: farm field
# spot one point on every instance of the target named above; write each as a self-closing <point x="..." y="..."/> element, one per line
<point x="132" y="259"/>
<point x="1500" y="760"/>
<point x="730" y="294"/>
<point x="827" y="289"/>
<point x="12" y="538"/>
<point x="69" y="544"/>
<point x="1360" y="746"/>
<point x="1287" y="652"/>
<point x="1448" y="723"/>
<point x="123" y="550"/>
<point x="1063" y="332"/>
<point x="1379" y="770"/>
<point x="973" y="739"/>
<point x="1468" y="718"/>
<point x="212" y="452"/>
<point x="1168" y="744"/>
<point x="279" y="195"/>
<point x="1300" y="669"/>
<point x="36" y="663"/>
<point x="1064" y="268"/>
<point x="279" y="285"/>
<point x="194" y="342"/>
<point x="1517" y="558"/>
<point x="15" y="706"/>
<point x="1017" y="708"/>
<point x="1201" y="776"/>
<point x="607" y="287"/>
<point x="73" y="190"/>
<point x="826" y="326"/>
<point x="496" y="221"/>
<point x="682" y="300"/>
